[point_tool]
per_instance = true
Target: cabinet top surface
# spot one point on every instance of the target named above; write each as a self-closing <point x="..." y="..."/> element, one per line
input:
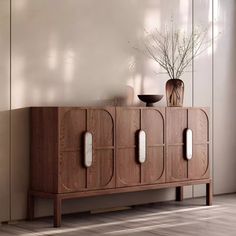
<point x="126" y="107"/>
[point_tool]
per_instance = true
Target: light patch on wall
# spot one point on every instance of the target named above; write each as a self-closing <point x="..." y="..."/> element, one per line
<point x="52" y="58"/>
<point x="50" y="95"/>
<point x="217" y="30"/>
<point x="185" y="21"/>
<point x="137" y="80"/>
<point x="132" y="67"/>
<point x="36" y="95"/>
<point x="53" y="52"/>
<point x="184" y="11"/>
<point x="154" y="67"/>
<point x="209" y="35"/>
<point x="130" y="81"/>
<point x="152" y="20"/>
<point x="68" y="65"/>
<point x="19" y="5"/>
<point x="18" y="87"/>
<point x="18" y="92"/>
<point x="152" y="84"/>
<point x="216" y="10"/>
<point x="209" y="49"/>
<point x="148" y="86"/>
<point x="134" y="80"/>
<point x="210" y="11"/>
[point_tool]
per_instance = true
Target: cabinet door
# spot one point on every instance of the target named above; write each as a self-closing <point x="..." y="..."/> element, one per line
<point x="130" y="121"/>
<point x="74" y="123"/>
<point x="153" y="169"/>
<point x="178" y="121"/>
<point x="101" y="123"/>
<point x="177" y="164"/>
<point x="127" y="127"/>
<point x="198" y="122"/>
<point x="72" y="174"/>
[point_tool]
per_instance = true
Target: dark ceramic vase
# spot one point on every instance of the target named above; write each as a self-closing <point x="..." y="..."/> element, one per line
<point x="175" y="93"/>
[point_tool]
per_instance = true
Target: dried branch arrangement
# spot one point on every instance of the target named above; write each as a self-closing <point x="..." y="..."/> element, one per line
<point x="174" y="50"/>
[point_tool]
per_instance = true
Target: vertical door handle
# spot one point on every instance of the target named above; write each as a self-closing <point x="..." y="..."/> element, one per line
<point x="142" y="146"/>
<point x="189" y="144"/>
<point x="88" y="149"/>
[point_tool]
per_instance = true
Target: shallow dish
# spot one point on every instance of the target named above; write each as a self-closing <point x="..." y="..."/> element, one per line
<point x="150" y="99"/>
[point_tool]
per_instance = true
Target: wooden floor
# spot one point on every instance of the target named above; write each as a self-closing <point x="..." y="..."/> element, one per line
<point x="190" y="217"/>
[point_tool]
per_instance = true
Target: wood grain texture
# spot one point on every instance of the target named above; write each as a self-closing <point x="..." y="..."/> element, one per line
<point x="101" y="173"/>
<point x="72" y="128"/>
<point x="127" y="125"/>
<point x="57" y="152"/>
<point x="73" y="173"/>
<point x="153" y="169"/>
<point x="198" y="122"/>
<point x="137" y="188"/>
<point x="128" y="169"/>
<point x="129" y="122"/>
<point x="178" y="120"/>
<point x="177" y="123"/>
<point x="177" y="165"/>
<point x="44" y="149"/>
<point x="153" y="122"/>
<point x="199" y="164"/>
<point x="57" y="163"/>
<point x="101" y="123"/>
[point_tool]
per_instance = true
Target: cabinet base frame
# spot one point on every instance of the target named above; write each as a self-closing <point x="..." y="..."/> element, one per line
<point x="179" y="193"/>
<point x="59" y="197"/>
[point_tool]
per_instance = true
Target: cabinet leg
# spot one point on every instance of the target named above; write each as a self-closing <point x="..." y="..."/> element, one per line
<point x="57" y="211"/>
<point x="30" y="207"/>
<point x="179" y="193"/>
<point x="209" y="194"/>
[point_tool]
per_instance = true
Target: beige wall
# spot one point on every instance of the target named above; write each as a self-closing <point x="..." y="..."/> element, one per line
<point x="78" y="52"/>
<point x="202" y="70"/>
<point x="4" y="110"/>
<point x="224" y="97"/>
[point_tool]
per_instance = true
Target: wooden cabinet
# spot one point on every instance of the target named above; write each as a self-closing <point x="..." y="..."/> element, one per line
<point x="129" y="170"/>
<point x="129" y="149"/>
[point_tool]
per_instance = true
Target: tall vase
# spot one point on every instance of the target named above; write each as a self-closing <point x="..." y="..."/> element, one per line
<point x="175" y="93"/>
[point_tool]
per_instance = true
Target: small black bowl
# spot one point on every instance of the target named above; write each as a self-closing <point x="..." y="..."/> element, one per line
<point x="150" y="99"/>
